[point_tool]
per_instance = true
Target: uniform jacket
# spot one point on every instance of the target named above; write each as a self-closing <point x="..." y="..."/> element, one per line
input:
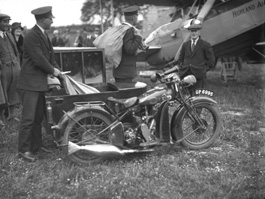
<point x="199" y="61"/>
<point x="127" y="66"/>
<point x="38" y="61"/>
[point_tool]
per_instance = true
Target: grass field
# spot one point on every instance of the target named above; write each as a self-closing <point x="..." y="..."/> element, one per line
<point x="233" y="168"/>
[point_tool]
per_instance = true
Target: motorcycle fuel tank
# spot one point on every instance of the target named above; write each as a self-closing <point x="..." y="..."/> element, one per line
<point x="152" y="96"/>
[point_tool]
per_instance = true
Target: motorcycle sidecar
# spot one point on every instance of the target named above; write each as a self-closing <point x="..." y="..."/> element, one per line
<point x="58" y="101"/>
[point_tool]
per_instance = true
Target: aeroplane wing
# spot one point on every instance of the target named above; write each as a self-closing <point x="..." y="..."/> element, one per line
<point x="159" y="2"/>
<point x="141" y="57"/>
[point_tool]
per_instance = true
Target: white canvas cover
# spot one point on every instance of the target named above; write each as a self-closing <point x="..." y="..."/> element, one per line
<point x="73" y="87"/>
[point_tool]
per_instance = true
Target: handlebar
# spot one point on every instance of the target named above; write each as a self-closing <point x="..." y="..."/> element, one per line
<point x="161" y="76"/>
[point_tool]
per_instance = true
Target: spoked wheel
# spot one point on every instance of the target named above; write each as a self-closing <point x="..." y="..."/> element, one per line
<point x="83" y="129"/>
<point x="199" y="128"/>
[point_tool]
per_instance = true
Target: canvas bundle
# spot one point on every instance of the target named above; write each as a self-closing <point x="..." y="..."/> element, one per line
<point x="112" y="40"/>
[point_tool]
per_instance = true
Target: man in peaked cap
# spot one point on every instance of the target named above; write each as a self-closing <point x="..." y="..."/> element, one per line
<point x="126" y="70"/>
<point x="4" y="16"/>
<point x="129" y="11"/>
<point x="196" y="56"/>
<point x="42" y="12"/>
<point x="38" y="64"/>
<point x="9" y="70"/>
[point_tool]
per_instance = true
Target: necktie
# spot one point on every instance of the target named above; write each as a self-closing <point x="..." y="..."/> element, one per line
<point x="4" y="36"/>
<point x="46" y="36"/>
<point x="192" y="45"/>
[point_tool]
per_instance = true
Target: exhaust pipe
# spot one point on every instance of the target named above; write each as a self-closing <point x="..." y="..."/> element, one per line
<point x="104" y="150"/>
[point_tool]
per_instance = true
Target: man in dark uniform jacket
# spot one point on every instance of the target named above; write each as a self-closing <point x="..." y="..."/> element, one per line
<point x="38" y="62"/>
<point x="126" y="70"/>
<point x="196" y="57"/>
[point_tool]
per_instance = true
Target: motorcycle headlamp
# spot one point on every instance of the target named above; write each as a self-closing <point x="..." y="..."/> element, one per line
<point x="190" y="79"/>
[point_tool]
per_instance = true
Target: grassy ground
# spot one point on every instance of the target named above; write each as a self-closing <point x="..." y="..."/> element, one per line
<point x="233" y="168"/>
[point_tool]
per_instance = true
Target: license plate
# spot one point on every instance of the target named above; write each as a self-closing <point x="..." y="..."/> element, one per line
<point x="204" y="92"/>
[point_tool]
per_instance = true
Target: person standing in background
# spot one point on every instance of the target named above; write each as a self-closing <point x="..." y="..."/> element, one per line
<point x="9" y="71"/>
<point x="196" y="57"/>
<point x="90" y="38"/>
<point x="66" y="38"/>
<point x="16" y="31"/>
<point x="56" y="39"/>
<point x="79" y="40"/>
<point x="38" y="63"/>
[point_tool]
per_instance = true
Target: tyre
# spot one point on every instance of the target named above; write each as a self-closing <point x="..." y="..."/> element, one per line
<point x="202" y="126"/>
<point x="83" y="129"/>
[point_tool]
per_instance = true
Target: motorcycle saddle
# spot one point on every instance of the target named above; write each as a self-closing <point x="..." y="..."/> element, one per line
<point x="125" y="102"/>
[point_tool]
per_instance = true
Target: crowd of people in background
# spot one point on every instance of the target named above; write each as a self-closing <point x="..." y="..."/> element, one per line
<point x="79" y="37"/>
<point x="85" y="38"/>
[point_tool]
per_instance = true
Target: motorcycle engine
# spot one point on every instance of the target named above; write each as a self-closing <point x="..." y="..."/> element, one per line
<point x="129" y="133"/>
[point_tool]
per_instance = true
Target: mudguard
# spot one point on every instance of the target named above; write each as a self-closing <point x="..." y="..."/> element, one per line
<point x="74" y="112"/>
<point x="181" y="109"/>
<point x="162" y="122"/>
<point x="158" y="118"/>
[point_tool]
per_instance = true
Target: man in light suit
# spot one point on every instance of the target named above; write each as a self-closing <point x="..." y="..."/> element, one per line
<point x="9" y="70"/>
<point x="196" y="57"/>
<point x="38" y="63"/>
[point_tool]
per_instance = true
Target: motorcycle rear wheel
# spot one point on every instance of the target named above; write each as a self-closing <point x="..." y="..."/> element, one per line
<point x="84" y="128"/>
<point x="199" y="138"/>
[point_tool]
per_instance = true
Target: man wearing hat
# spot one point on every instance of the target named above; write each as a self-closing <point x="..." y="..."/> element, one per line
<point x="9" y="70"/>
<point x="196" y="57"/>
<point x="38" y="63"/>
<point x="126" y="70"/>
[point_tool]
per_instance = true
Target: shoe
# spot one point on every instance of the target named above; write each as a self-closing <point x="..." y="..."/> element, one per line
<point x="41" y="149"/>
<point x="45" y="150"/>
<point x="2" y="124"/>
<point x="27" y="156"/>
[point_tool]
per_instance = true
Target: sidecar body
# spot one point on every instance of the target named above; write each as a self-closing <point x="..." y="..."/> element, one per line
<point x="60" y="101"/>
<point x="86" y="65"/>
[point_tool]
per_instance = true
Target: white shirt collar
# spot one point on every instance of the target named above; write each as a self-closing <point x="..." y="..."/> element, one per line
<point x="2" y="34"/>
<point x="42" y="30"/>
<point x="195" y="42"/>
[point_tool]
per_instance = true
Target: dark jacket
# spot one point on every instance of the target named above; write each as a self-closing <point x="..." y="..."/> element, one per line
<point x="19" y="44"/>
<point x="197" y="62"/>
<point x="9" y="58"/>
<point x="127" y="66"/>
<point x="38" y="61"/>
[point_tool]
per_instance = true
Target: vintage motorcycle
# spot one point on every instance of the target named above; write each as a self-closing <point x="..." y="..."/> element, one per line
<point x="162" y="115"/>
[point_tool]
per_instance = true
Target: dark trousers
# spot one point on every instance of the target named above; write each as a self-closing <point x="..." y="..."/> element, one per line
<point x="200" y="84"/>
<point x="30" y="138"/>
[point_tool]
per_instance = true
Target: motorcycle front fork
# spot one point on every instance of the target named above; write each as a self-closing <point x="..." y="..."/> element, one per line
<point x="194" y="115"/>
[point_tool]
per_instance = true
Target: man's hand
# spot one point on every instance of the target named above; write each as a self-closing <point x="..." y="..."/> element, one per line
<point x="57" y="73"/>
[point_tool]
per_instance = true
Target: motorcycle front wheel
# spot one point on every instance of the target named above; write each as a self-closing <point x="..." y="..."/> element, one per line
<point x="199" y="127"/>
<point x="83" y="129"/>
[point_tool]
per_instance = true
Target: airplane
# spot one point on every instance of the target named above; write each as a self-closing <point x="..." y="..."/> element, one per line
<point x="232" y="27"/>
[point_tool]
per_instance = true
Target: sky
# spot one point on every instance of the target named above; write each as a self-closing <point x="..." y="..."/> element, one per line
<point x="66" y="12"/>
